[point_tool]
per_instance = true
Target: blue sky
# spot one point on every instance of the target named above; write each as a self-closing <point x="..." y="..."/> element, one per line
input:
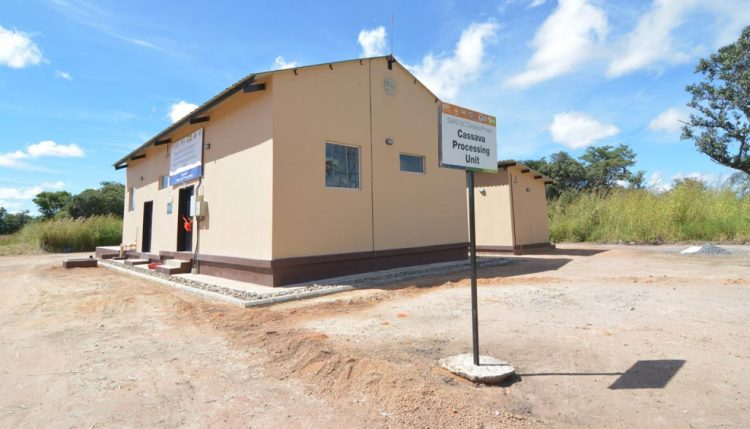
<point x="83" y="82"/>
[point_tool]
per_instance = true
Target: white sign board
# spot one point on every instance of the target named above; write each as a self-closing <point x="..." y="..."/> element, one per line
<point x="468" y="139"/>
<point x="185" y="158"/>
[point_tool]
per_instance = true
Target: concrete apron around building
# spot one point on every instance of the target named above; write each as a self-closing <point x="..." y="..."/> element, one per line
<point x="255" y="295"/>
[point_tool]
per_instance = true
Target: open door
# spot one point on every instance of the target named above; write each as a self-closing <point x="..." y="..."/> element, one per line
<point x="148" y="214"/>
<point x="184" y="235"/>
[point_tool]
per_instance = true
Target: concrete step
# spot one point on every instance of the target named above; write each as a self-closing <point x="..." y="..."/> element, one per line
<point x="175" y="266"/>
<point x="132" y="262"/>
<point x="80" y="263"/>
<point x="175" y="262"/>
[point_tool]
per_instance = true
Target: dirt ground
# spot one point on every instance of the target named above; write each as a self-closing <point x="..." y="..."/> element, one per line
<point x="601" y="336"/>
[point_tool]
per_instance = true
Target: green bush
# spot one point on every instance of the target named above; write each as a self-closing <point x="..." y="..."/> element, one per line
<point x="73" y="235"/>
<point x="689" y="211"/>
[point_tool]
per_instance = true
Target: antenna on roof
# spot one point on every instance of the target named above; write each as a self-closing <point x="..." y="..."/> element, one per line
<point x="392" y="33"/>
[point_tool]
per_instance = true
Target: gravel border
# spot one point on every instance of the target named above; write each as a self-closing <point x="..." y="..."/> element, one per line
<point x="335" y="285"/>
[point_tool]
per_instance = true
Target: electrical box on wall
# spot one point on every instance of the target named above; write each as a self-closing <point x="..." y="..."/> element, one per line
<point x="198" y="207"/>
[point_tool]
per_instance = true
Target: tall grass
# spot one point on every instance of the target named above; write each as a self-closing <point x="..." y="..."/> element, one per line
<point x="688" y="212"/>
<point x="72" y="235"/>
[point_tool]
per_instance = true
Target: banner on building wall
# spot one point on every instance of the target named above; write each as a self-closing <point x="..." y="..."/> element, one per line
<point x="185" y="158"/>
<point x="468" y="139"/>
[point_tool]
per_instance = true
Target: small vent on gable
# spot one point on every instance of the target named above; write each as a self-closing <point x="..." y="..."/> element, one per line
<point x="390" y="86"/>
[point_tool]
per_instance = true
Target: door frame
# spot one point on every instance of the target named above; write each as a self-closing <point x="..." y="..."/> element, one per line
<point x="184" y="238"/>
<point x="148" y="226"/>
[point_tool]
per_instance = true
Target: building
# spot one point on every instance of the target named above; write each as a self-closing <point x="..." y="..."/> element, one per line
<point x="300" y="174"/>
<point x="511" y="209"/>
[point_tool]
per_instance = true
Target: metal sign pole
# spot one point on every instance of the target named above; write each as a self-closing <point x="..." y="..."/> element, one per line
<point x="473" y="259"/>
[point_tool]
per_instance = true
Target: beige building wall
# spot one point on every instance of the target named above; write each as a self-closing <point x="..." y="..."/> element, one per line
<point x="142" y="178"/>
<point x="530" y="207"/>
<point x="391" y="209"/>
<point x="411" y="209"/>
<point x="492" y="205"/>
<point x="238" y="177"/>
<point x="237" y="183"/>
<point x="315" y="106"/>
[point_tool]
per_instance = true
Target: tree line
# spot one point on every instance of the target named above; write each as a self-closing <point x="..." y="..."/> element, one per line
<point x="108" y="199"/>
<point x="600" y="168"/>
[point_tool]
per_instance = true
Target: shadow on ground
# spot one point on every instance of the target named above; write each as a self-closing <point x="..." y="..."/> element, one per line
<point x="644" y="374"/>
<point x="564" y="252"/>
<point x="516" y="266"/>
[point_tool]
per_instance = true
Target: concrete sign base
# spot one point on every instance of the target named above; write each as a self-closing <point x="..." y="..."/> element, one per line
<point x="489" y="371"/>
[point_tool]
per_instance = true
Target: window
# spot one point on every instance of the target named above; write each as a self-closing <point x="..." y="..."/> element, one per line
<point x="342" y="166"/>
<point x="412" y="163"/>
<point x="163" y="182"/>
<point x="131" y="199"/>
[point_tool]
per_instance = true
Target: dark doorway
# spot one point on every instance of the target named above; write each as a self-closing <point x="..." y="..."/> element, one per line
<point x="148" y="213"/>
<point x="184" y="237"/>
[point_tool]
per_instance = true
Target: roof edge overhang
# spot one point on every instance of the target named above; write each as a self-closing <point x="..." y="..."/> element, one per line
<point x="237" y="87"/>
<point x="525" y="169"/>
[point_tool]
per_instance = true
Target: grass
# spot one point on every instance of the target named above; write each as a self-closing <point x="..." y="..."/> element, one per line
<point x="63" y="235"/>
<point x="14" y="245"/>
<point x="688" y="212"/>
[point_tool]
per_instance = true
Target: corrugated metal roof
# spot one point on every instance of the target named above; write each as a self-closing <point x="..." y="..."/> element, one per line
<point x="228" y="92"/>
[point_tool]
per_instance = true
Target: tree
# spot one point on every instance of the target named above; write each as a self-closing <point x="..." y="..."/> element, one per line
<point x="12" y="222"/>
<point x="569" y="174"/>
<point x="720" y="128"/>
<point x="50" y="203"/>
<point x="739" y="182"/>
<point x="608" y="167"/>
<point x="108" y="199"/>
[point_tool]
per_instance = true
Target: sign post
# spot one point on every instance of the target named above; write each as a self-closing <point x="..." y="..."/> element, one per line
<point x="468" y="141"/>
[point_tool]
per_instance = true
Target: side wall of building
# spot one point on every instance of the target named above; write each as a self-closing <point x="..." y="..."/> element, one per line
<point x="492" y="203"/>
<point x="530" y="208"/>
<point x="311" y="107"/>
<point x="142" y="180"/>
<point x="237" y="183"/>
<point x="411" y="209"/>
<point x="347" y="104"/>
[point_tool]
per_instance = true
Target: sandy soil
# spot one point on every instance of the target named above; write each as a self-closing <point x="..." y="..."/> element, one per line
<point x="601" y="336"/>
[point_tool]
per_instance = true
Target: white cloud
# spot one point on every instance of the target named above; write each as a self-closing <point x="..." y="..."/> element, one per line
<point x="54" y="185"/>
<point x="372" y="42"/>
<point x="13" y="159"/>
<point x="50" y="148"/>
<point x="657" y="183"/>
<point x="733" y="15"/>
<point x="14" y="199"/>
<point x="46" y="148"/>
<point x="280" y="63"/>
<point x="707" y="178"/>
<point x="20" y="193"/>
<point x="180" y="109"/>
<point x="17" y="50"/>
<point x="63" y="75"/>
<point x="576" y="129"/>
<point x="10" y="206"/>
<point x="535" y="3"/>
<point x="670" y="120"/>
<point x="446" y="75"/>
<point x="94" y="15"/>
<point x="567" y="38"/>
<point x="651" y="42"/>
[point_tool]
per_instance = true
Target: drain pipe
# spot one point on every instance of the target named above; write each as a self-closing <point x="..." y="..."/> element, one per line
<point x="196" y="263"/>
<point x="199" y="188"/>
